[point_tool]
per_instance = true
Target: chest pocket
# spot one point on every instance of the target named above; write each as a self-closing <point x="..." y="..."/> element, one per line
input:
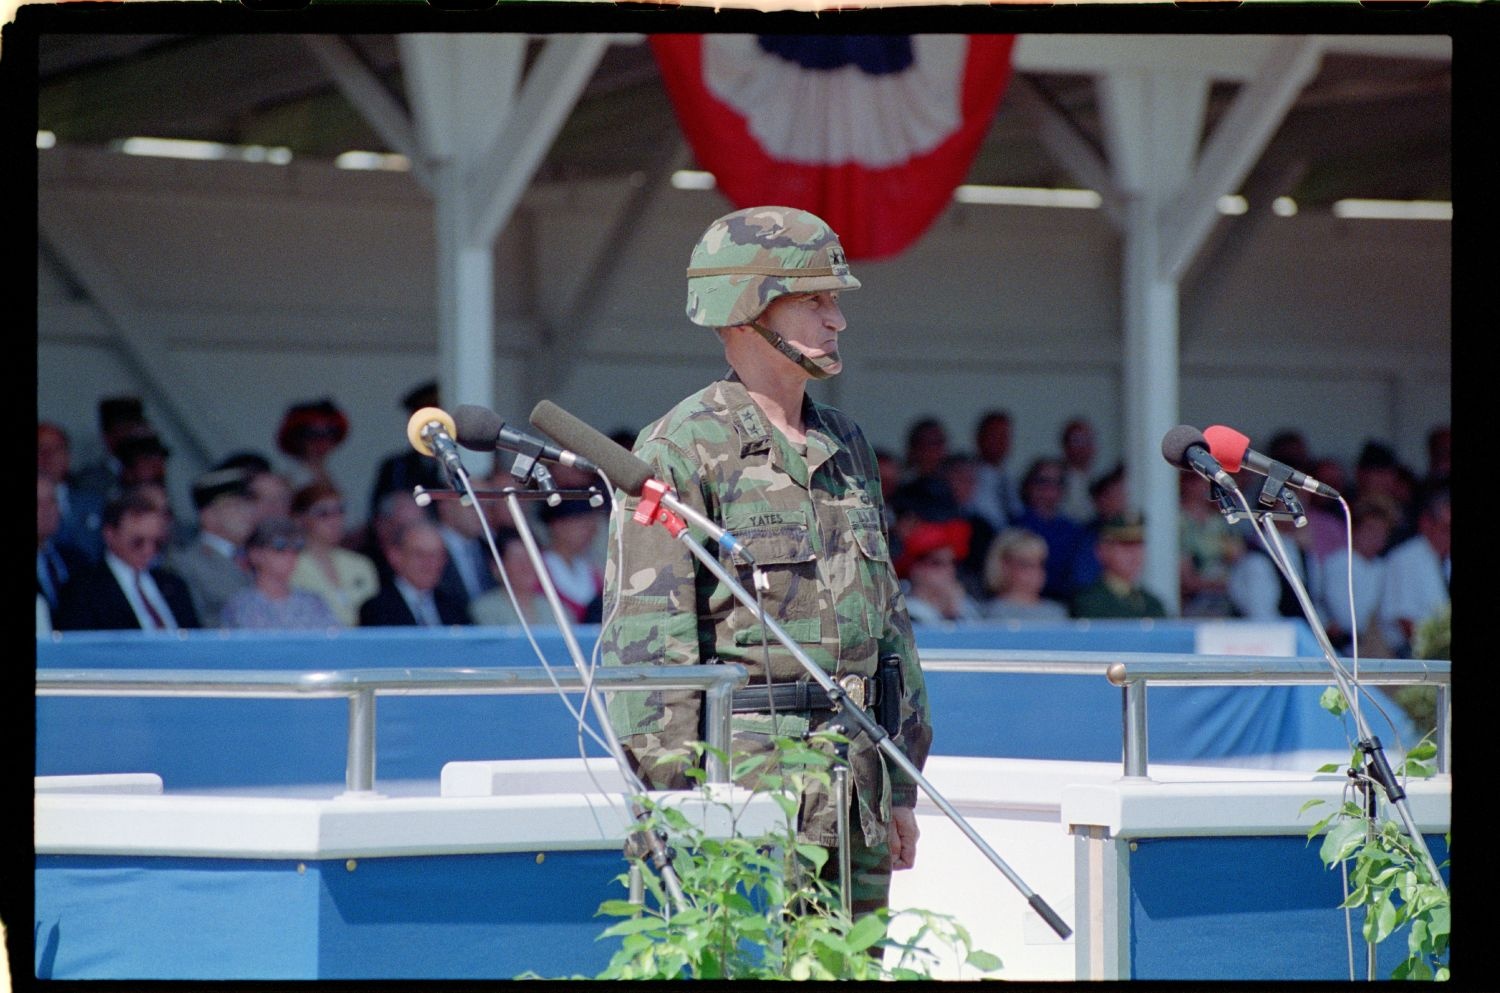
<point x="864" y="526"/>
<point x="782" y="547"/>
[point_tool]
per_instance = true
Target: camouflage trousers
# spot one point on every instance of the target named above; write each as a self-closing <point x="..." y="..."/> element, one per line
<point x="869" y="871"/>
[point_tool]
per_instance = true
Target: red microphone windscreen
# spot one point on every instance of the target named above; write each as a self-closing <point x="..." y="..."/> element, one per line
<point x="1226" y="445"/>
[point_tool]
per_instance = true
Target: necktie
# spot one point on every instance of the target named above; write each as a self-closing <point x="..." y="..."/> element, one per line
<point x="156" y="621"/>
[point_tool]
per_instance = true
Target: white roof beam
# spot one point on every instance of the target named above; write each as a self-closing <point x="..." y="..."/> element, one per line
<point x="1235" y="146"/>
<point x="498" y="178"/>
<point x="1068" y="147"/>
<point x="461" y="89"/>
<point x="374" y="102"/>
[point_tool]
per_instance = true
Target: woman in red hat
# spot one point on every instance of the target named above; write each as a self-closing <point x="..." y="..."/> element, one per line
<point x="928" y="567"/>
<point x="308" y="435"/>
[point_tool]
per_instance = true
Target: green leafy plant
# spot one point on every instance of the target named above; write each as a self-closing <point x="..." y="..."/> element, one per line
<point x="1385" y="872"/>
<point x="1431" y="640"/>
<point x="755" y="905"/>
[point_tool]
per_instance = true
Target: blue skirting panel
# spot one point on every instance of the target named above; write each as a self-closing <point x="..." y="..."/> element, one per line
<point x="1253" y="908"/>
<point x="429" y="917"/>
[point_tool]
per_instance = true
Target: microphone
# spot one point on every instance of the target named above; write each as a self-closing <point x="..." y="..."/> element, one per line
<point x="631" y="474"/>
<point x="623" y="468"/>
<point x="430" y="432"/>
<point x="1186" y="448"/>
<point x="482" y="430"/>
<point x="1233" y="449"/>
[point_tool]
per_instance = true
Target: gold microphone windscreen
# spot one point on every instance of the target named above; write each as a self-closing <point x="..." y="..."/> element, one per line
<point x="419" y="422"/>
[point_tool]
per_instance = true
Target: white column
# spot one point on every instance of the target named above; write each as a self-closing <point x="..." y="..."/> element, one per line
<point x="1151" y="386"/>
<point x="1154" y="118"/>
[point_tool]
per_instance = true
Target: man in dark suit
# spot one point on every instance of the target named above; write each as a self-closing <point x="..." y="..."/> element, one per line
<point x="412" y="596"/>
<point x="125" y="591"/>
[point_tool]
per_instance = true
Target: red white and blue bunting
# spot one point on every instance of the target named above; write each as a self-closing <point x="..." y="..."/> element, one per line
<point x="870" y="132"/>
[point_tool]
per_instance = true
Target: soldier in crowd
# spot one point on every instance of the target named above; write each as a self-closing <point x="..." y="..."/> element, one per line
<point x="797" y="482"/>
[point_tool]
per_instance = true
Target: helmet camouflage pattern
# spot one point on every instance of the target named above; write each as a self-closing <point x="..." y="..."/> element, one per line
<point x="750" y="257"/>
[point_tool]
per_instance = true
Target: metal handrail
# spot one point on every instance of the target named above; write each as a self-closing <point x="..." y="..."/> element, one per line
<point x="361" y="686"/>
<point x="1133" y="675"/>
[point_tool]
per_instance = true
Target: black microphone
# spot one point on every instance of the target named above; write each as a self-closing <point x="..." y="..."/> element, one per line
<point x="482" y="430"/>
<point x="1186" y="448"/>
<point x="626" y="471"/>
<point x="1233" y="449"/>
<point x="430" y="431"/>
<point x="623" y="468"/>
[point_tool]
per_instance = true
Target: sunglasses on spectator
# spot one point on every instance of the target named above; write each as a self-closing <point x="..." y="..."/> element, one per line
<point x="138" y="542"/>
<point x="326" y="510"/>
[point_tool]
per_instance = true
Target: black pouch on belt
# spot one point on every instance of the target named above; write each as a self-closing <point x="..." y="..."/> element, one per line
<point x="888" y="674"/>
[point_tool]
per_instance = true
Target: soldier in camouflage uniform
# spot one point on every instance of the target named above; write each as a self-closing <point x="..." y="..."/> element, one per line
<point x="797" y="483"/>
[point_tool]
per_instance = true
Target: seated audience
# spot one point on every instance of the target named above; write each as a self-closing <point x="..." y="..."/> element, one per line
<point x="180" y="533"/>
<point x="997" y="498"/>
<point x="571" y="557"/>
<point x="1374" y="516"/>
<point x="56" y="563"/>
<point x="405" y="469"/>
<point x="467" y="573"/>
<point x="962" y="474"/>
<point x="81" y="510"/>
<point x="128" y="590"/>
<point x="308" y="435"/>
<point x="928" y="565"/>
<point x="143" y="459"/>
<point x="1067" y="543"/>
<point x="1208" y="546"/>
<point x="1257" y="589"/>
<point x="1015" y="570"/>
<point x="120" y="418"/>
<point x="271" y="603"/>
<point x="412" y="596"/>
<point x="1417" y="574"/>
<point x="213" y="566"/>
<point x="1079" y="448"/>
<point x="393" y="512"/>
<point x="1325" y="517"/>
<point x="344" y="579"/>
<point x="494" y="606"/>
<point x="1118" y="592"/>
<point x="924" y="492"/>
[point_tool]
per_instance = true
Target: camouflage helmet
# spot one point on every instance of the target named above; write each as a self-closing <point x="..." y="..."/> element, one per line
<point x="750" y="257"/>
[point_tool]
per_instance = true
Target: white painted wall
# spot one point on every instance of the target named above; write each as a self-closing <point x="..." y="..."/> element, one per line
<point x="273" y="285"/>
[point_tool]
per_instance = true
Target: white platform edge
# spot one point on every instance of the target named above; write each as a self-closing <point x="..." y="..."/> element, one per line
<point x="264" y="827"/>
<point x="1157" y="809"/>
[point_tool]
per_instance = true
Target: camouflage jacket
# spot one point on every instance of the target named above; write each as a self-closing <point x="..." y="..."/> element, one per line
<point x="813" y="524"/>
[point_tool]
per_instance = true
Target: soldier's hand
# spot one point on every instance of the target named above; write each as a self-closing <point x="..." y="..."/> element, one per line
<point x="903" y="837"/>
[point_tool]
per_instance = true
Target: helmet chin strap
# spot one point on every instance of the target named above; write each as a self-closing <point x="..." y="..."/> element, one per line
<point x="813" y="367"/>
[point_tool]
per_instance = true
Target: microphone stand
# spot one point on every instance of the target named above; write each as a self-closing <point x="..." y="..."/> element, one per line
<point x="1376" y="766"/>
<point x="537" y="482"/>
<point x="651" y="511"/>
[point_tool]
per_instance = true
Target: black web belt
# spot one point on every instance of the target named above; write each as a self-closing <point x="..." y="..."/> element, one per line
<point x="804" y="694"/>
